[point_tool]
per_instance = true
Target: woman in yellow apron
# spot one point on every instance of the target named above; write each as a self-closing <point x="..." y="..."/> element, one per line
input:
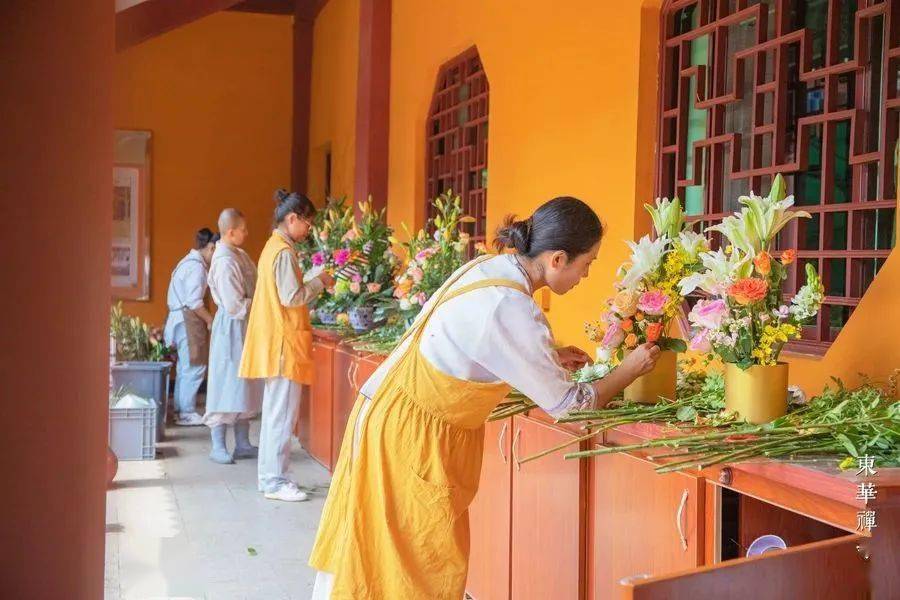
<point x="395" y="525"/>
<point x="278" y="344"/>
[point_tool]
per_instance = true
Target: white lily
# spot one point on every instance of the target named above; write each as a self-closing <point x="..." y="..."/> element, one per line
<point x="737" y="229"/>
<point x="668" y="217"/>
<point x="754" y="228"/>
<point x="646" y="256"/>
<point x="720" y="271"/>
<point x="692" y="243"/>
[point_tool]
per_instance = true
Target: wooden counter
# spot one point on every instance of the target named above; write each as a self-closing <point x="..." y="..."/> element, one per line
<point x="681" y="535"/>
<point x="340" y="372"/>
<point x="558" y="529"/>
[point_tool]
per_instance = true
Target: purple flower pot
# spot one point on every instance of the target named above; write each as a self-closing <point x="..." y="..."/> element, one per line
<point x="326" y="317"/>
<point x="362" y="318"/>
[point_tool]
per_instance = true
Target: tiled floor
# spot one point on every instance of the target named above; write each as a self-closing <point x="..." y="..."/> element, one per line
<point x="184" y="527"/>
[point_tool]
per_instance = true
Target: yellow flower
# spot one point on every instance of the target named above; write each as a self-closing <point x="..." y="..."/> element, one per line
<point x="625" y="302"/>
<point x="631" y="340"/>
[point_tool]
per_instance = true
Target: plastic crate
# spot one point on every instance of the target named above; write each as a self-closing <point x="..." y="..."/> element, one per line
<point x="132" y="433"/>
<point x="148" y="380"/>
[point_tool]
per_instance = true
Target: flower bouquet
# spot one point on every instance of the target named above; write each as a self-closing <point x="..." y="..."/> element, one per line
<point x="370" y="269"/>
<point x="743" y="318"/>
<point x="432" y="258"/>
<point x="328" y="248"/>
<point x="648" y="300"/>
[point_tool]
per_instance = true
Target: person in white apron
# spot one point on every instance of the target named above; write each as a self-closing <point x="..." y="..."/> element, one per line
<point x="230" y="400"/>
<point x="187" y="289"/>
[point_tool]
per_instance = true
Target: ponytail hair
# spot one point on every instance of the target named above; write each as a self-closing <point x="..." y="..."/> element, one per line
<point x="205" y="237"/>
<point x="564" y="223"/>
<point x="287" y="203"/>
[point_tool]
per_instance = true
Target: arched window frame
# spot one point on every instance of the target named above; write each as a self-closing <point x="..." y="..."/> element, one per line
<point x="456" y="138"/>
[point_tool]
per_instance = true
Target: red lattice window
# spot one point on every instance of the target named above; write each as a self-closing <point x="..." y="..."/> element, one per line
<point x="456" y="134"/>
<point x="806" y="88"/>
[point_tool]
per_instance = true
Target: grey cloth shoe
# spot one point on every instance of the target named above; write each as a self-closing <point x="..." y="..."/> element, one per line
<point x="242" y="446"/>
<point x="219" y="452"/>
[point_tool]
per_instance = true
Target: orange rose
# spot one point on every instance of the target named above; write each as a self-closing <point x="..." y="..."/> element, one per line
<point x="654" y="330"/>
<point x="788" y="256"/>
<point x="627" y="325"/>
<point x="748" y="290"/>
<point x="631" y="340"/>
<point x="639" y="316"/>
<point x="763" y="263"/>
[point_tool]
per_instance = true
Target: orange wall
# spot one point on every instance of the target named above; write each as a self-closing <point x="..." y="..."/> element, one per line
<point x="217" y="96"/>
<point x="573" y="101"/>
<point x="567" y="96"/>
<point x="333" y="103"/>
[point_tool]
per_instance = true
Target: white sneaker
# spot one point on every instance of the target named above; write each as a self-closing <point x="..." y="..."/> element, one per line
<point x="191" y="419"/>
<point x="288" y="492"/>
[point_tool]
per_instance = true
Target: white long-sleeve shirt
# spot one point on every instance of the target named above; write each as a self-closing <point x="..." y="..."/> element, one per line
<point x="232" y="280"/>
<point x="186" y="290"/>
<point x="496" y="334"/>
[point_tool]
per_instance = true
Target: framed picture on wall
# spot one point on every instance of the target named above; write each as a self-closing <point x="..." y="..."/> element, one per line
<point x="130" y="252"/>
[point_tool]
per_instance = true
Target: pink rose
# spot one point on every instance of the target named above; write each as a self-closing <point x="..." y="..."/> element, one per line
<point x="652" y="302"/>
<point x="374" y="288"/>
<point x="424" y="254"/>
<point x="357" y="278"/>
<point x="350" y="235"/>
<point x="700" y="342"/>
<point x="417" y="274"/>
<point x="421" y="298"/>
<point x="318" y="259"/>
<point x="341" y="257"/>
<point x="708" y="314"/>
<point x="614" y="335"/>
<point x="323" y="235"/>
<point x="355" y="287"/>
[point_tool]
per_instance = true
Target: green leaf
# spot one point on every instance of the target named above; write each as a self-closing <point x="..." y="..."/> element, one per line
<point x="251" y="551"/>
<point x="673" y="344"/>
<point x="847" y="463"/>
<point x="686" y="413"/>
<point x="847" y="444"/>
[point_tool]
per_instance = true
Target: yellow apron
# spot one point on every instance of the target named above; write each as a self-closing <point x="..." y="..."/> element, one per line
<point x="396" y="523"/>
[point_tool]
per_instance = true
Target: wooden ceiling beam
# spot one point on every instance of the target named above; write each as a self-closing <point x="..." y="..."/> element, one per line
<point x="271" y="7"/>
<point x="151" y="18"/>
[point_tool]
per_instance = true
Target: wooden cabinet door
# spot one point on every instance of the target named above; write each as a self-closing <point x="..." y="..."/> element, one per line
<point x="489" y="517"/>
<point x="318" y="423"/>
<point x="346" y="364"/>
<point x="827" y="570"/>
<point x="367" y="367"/>
<point x="547" y="516"/>
<point x="641" y="522"/>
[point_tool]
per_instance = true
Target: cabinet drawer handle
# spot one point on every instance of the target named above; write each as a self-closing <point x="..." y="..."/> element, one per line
<point x="349" y="375"/>
<point x="500" y="439"/>
<point x="355" y="376"/>
<point x="515" y="449"/>
<point x="679" y="517"/>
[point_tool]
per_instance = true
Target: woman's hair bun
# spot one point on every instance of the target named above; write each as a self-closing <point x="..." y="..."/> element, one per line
<point x="281" y="195"/>
<point x="291" y="202"/>
<point x="564" y="223"/>
<point x="514" y="234"/>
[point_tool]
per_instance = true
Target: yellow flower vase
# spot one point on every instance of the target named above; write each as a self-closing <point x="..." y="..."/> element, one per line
<point x="758" y="394"/>
<point x="660" y="382"/>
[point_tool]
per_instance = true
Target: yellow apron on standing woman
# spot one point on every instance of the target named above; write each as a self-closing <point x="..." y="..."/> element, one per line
<point x="396" y="523"/>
